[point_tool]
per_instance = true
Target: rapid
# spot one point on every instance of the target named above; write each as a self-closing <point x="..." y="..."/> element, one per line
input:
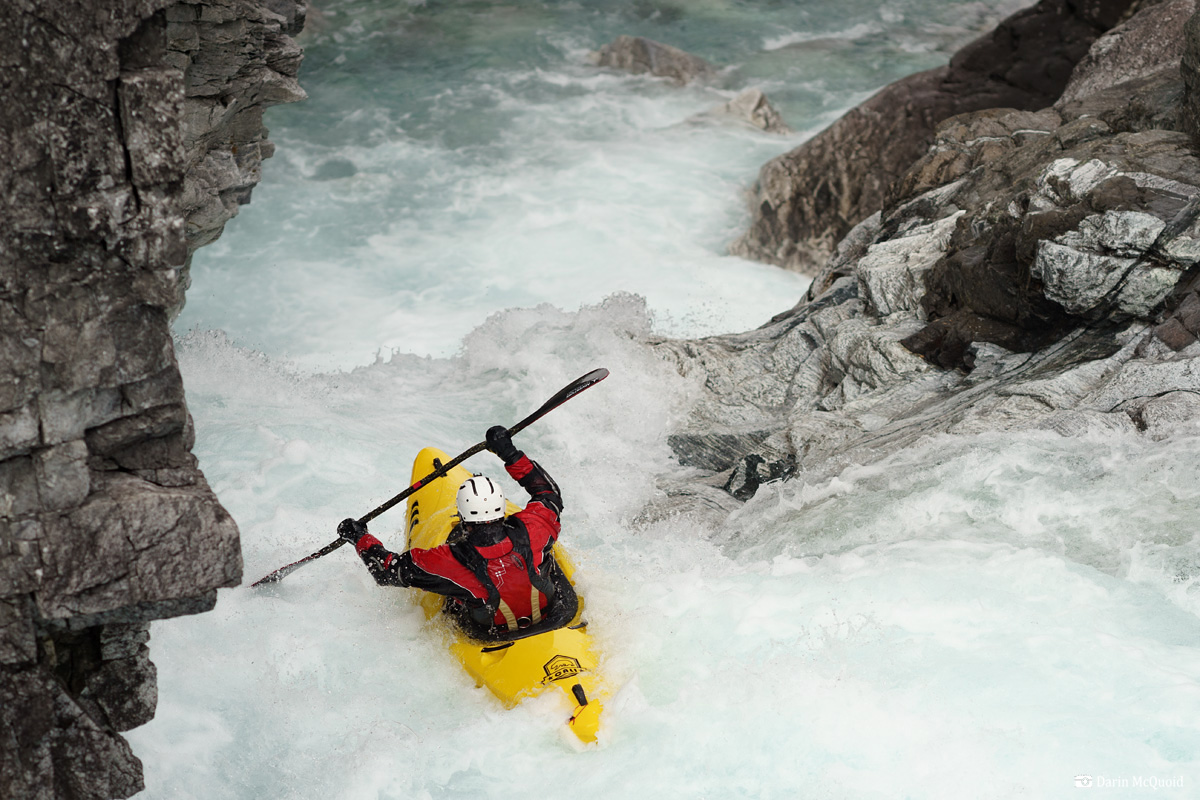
<point x="465" y="216"/>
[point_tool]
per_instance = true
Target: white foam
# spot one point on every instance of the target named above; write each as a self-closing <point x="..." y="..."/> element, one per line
<point x="1002" y="613"/>
<point x="793" y="38"/>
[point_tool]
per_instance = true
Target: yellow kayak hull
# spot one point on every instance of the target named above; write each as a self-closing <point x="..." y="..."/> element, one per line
<point x="563" y="660"/>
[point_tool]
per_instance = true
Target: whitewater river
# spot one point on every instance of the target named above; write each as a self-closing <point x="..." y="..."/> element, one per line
<point x="464" y="217"/>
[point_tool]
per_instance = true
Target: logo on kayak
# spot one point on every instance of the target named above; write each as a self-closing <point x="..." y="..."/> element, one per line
<point x="560" y="668"/>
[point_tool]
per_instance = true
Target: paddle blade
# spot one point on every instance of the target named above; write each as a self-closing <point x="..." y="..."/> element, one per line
<point x="283" y="572"/>
<point x="573" y="388"/>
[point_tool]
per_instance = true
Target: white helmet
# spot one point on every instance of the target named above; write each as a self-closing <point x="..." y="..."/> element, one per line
<point x="480" y="499"/>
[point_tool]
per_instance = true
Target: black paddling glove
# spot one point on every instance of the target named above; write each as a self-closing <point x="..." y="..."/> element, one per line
<point x="500" y="443"/>
<point x="351" y="530"/>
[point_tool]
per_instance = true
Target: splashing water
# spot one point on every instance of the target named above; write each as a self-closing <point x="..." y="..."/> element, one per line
<point x="453" y="228"/>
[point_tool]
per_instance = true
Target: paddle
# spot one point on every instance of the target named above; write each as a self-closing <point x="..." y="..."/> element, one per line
<point x="566" y="393"/>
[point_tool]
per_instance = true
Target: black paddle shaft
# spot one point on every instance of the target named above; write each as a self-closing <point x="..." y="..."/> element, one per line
<point x="566" y="393"/>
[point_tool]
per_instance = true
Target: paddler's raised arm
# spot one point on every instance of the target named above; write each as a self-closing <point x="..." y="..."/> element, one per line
<point x="525" y="471"/>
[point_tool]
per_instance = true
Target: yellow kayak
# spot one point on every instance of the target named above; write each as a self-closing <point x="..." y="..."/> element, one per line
<point x="562" y="660"/>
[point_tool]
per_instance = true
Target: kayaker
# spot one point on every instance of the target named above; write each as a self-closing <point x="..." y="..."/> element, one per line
<point x="498" y="572"/>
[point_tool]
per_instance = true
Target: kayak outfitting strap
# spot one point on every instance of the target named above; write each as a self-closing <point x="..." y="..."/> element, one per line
<point x="510" y="619"/>
<point x="559" y="614"/>
<point x="519" y="536"/>
<point x="469" y="557"/>
<point x="520" y="623"/>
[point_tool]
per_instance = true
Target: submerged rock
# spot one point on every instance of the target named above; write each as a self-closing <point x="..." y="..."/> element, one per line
<point x="335" y="169"/>
<point x="753" y="471"/>
<point x="643" y="56"/>
<point x="750" y="107"/>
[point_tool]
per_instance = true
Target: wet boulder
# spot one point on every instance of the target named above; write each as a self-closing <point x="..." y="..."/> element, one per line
<point x="806" y="200"/>
<point x="643" y="56"/>
<point x="1141" y="46"/>
<point x="1101" y="230"/>
<point x="750" y="107"/>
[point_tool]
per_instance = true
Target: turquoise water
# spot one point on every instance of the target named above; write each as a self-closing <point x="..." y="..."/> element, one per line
<point x="456" y="159"/>
<point x="464" y="217"/>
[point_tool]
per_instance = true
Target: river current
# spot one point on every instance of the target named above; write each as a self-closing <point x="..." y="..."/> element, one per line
<point x="463" y="217"/>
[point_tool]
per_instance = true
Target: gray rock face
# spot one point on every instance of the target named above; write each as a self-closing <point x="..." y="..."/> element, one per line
<point x="750" y="107"/>
<point x="643" y="56"/>
<point x="238" y="58"/>
<point x="130" y="133"/>
<point x="1138" y="48"/>
<point x="1028" y="270"/>
<point x="1189" y="68"/>
<point x="808" y="199"/>
<point x="1078" y="222"/>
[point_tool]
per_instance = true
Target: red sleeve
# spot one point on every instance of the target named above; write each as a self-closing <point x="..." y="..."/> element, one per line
<point x="542" y="524"/>
<point x="520" y="469"/>
<point x="535" y="480"/>
<point x="441" y="563"/>
<point x="365" y="542"/>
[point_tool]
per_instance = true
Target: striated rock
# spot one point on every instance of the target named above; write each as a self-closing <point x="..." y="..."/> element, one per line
<point x="808" y="199"/>
<point x="753" y="471"/>
<point x="132" y="130"/>
<point x="1078" y="271"/>
<point x="643" y="56"/>
<point x="891" y="274"/>
<point x="1029" y="270"/>
<point x="1102" y="233"/>
<point x="1130" y="79"/>
<point x="1156" y="416"/>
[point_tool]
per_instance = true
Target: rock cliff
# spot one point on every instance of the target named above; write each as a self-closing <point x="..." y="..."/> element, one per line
<point x="1030" y="269"/>
<point x="131" y="132"/>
